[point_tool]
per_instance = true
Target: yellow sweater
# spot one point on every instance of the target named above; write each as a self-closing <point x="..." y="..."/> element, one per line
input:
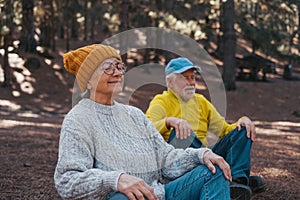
<point x="198" y="111"/>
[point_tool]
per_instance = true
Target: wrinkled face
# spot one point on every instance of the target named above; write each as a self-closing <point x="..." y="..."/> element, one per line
<point x="108" y="78"/>
<point x="184" y="84"/>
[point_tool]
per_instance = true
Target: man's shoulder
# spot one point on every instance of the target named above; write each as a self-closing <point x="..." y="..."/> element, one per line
<point x="200" y="96"/>
<point x="163" y="96"/>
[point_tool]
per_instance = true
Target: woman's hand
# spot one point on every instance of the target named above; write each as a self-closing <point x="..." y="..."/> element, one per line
<point x="210" y="159"/>
<point x="135" y="188"/>
<point x="182" y="127"/>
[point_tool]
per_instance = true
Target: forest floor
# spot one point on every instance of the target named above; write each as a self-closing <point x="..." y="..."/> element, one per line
<point x="31" y="116"/>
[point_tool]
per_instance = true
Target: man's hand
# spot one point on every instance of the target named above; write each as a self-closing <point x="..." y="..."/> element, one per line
<point x="135" y="188"/>
<point x="210" y="159"/>
<point x="182" y="127"/>
<point x="249" y="125"/>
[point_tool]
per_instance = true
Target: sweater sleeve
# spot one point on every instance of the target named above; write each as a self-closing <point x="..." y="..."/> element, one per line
<point x="75" y="177"/>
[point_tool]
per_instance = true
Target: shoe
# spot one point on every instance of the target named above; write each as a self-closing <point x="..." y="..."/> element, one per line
<point x="257" y="184"/>
<point x="239" y="191"/>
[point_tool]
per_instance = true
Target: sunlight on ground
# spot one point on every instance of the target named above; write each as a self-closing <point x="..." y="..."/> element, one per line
<point x="10" y="105"/>
<point x="275" y="172"/>
<point x="6" y="123"/>
<point x="281" y="141"/>
<point x="276" y="128"/>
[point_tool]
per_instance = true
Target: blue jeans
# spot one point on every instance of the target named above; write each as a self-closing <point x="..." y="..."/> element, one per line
<point x="235" y="148"/>
<point x="197" y="184"/>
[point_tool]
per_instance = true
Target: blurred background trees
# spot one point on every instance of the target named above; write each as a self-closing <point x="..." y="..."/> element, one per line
<point x="271" y="27"/>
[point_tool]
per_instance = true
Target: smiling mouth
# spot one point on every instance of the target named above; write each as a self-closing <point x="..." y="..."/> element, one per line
<point x="114" y="82"/>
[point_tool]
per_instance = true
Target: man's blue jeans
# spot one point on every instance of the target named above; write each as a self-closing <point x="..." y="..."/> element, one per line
<point x="235" y="148"/>
<point x="197" y="184"/>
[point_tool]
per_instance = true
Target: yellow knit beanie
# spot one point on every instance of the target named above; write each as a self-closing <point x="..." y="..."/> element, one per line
<point x="83" y="62"/>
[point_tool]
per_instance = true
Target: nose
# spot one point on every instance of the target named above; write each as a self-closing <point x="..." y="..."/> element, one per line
<point x="118" y="72"/>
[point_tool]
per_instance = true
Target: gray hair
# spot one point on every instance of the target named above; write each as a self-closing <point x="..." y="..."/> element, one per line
<point x="169" y="77"/>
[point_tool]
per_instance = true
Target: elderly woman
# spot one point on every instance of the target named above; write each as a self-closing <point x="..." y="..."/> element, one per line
<point x="108" y="150"/>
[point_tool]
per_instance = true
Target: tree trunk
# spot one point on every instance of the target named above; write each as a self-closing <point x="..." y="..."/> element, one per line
<point x="221" y="31"/>
<point x="124" y="25"/>
<point x="47" y="26"/>
<point x="53" y="26"/>
<point x="6" y="67"/>
<point x="86" y="20"/>
<point x="28" y="43"/>
<point x="7" y="37"/>
<point x="298" y="7"/>
<point x="229" y="45"/>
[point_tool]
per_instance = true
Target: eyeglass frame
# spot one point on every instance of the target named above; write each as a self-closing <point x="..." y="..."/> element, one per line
<point x="112" y="67"/>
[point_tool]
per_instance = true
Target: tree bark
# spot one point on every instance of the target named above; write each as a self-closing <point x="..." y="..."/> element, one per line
<point x="6" y="67"/>
<point x="229" y="45"/>
<point x="28" y="43"/>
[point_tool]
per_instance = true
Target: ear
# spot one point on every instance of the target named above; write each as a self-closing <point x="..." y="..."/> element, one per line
<point x="170" y="82"/>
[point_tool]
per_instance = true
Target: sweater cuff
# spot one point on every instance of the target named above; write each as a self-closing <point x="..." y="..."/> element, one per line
<point x="117" y="180"/>
<point x="112" y="179"/>
<point x="201" y="153"/>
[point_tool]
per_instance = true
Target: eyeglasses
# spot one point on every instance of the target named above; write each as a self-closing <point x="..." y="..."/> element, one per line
<point x="109" y="68"/>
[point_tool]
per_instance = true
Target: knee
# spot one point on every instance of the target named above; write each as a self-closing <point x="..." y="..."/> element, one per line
<point x="217" y="178"/>
<point x="219" y="171"/>
<point x="241" y="134"/>
<point x="217" y="175"/>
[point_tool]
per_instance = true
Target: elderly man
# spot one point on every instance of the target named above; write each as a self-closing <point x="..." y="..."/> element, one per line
<point x="184" y="118"/>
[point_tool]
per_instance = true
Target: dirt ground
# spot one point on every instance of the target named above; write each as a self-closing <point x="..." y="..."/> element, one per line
<point x="30" y="125"/>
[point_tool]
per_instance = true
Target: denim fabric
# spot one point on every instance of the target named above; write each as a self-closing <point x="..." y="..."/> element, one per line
<point x="198" y="184"/>
<point x="117" y="196"/>
<point x="235" y="148"/>
<point x="191" y="141"/>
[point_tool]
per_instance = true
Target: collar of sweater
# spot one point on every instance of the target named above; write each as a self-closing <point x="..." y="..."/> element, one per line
<point x="100" y="108"/>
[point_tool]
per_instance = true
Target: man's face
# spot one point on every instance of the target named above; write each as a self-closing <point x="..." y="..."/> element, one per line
<point x="184" y="84"/>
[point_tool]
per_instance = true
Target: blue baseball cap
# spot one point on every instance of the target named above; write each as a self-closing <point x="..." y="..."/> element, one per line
<point x="179" y="65"/>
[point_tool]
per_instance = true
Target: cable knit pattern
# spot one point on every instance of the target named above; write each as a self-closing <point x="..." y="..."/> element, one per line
<point x="98" y="143"/>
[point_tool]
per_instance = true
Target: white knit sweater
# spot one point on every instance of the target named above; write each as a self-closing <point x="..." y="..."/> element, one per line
<point x="98" y="143"/>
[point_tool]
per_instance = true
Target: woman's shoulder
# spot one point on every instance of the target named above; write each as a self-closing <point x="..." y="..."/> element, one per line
<point x="129" y="108"/>
<point x="80" y="110"/>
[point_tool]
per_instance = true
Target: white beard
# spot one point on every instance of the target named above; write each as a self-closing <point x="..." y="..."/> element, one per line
<point x="186" y="93"/>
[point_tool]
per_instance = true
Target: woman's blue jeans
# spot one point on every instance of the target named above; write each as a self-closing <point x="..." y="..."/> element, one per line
<point x="197" y="184"/>
<point x="235" y="148"/>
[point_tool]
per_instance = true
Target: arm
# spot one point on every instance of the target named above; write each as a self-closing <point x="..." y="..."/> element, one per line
<point x="176" y="162"/>
<point x="161" y="114"/>
<point x="219" y="126"/>
<point x="216" y="123"/>
<point x="74" y="175"/>
<point x="157" y="114"/>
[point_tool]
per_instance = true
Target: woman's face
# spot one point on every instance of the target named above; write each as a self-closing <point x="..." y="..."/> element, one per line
<point x="108" y="78"/>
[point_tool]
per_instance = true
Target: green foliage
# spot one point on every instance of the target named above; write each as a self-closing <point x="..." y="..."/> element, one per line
<point x="271" y="26"/>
